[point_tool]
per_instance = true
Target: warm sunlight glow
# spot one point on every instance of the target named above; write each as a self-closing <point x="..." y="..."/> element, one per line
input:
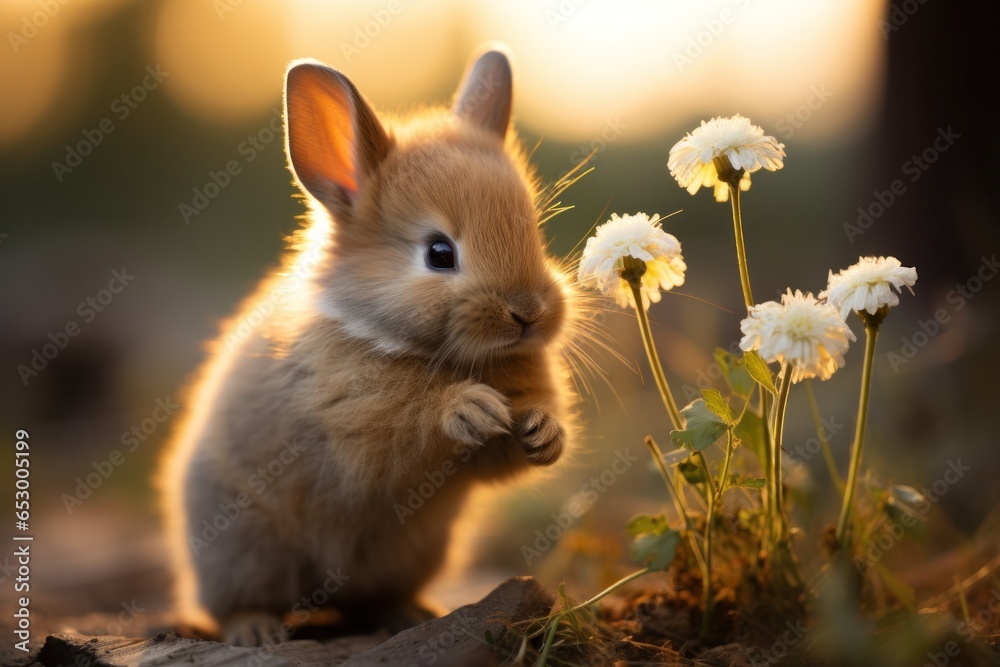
<point x="637" y="68"/>
<point x="223" y="63"/>
<point x="626" y="70"/>
<point x="37" y="93"/>
<point x="394" y="51"/>
<point x="32" y="82"/>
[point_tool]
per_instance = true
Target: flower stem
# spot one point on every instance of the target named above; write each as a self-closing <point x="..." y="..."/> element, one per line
<point x="823" y="440"/>
<point x="778" y="504"/>
<point x="654" y="359"/>
<point x="765" y="409"/>
<point x="733" y="179"/>
<point x="676" y="494"/>
<point x="661" y="380"/>
<point x="741" y="253"/>
<point x="708" y="596"/>
<point x="725" y="465"/>
<point x="871" y="336"/>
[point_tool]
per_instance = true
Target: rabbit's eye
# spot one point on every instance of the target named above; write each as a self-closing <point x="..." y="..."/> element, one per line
<point x="440" y="255"/>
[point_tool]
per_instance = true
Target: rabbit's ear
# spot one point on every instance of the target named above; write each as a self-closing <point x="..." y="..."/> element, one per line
<point x="484" y="97"/>
<point x="333" y="139"/>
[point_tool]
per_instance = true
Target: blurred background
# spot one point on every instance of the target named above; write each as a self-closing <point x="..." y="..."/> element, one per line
<point x="123" y="245"/>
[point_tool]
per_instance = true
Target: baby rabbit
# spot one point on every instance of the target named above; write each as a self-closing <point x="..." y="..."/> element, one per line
<point x="414" y="332"/>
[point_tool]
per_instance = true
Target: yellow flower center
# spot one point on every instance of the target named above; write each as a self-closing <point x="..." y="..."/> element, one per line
<point x="800" y="325"/>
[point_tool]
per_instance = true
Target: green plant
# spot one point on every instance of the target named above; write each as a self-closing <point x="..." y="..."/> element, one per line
<point x="632" y="258"/>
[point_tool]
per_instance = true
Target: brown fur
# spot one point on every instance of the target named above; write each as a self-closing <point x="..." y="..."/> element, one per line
<point x="377" y="369"/>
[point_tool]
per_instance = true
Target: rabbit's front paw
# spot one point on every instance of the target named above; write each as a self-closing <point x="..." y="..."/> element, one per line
<point x="252" y="629"/>
<point x="476" y="414"/>
<point x="542" y="437"/>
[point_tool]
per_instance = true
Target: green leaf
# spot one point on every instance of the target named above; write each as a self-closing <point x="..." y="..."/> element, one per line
<point x="702" y="427"/>
<point x="643" y="523"/>
<point x="656" y="550"/>
<point x="735" y="372"/>
<point x="718" y="405"/>
<point x="759" y="371"/>
<point x="691" y="471"/>
<point x="737" y="480"/>
<point x="655" y="542"/>
<point x="750" y="431"/>
<point x="752" y="482"/>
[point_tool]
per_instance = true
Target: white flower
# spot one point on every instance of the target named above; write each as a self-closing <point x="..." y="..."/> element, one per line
<point x="692" y="159"/>
<point x="639" y="237"/>
<point x="867" y="286"/>
<point x="800" y="331"/>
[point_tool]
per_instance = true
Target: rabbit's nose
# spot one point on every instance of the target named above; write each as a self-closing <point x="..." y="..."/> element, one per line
<point x="526" y="309"/>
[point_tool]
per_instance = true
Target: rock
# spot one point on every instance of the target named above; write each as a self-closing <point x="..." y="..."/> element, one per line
<point x="170" y="650"/>
<point x="330" y="653"/>
<point x="459" y="639"/>
<point x="727" y="655"/>
<point x="456" y="639"/>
